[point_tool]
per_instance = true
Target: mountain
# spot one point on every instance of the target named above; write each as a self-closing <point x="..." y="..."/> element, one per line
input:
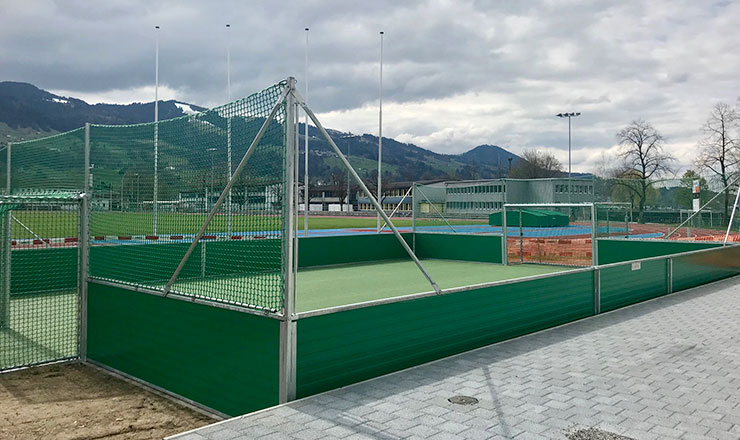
<point x="401" y="161"/>
<point x="28" y="112"/>
<point x="23" y="105"/>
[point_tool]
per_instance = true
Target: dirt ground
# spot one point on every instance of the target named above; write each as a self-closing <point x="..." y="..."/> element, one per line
<point x="76" y="401"/>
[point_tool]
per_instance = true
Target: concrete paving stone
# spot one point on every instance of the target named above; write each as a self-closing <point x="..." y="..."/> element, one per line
<point x="306" y="434"/>
<point x="224" y="434"/>
<point x="192" y="436"/>
<point x="422" y="431"/>
<point x="667" y="432"/>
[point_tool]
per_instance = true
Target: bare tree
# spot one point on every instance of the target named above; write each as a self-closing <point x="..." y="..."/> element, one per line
<point x="643" y="159"/>
<point x="720" y="150"/>
<point x="536" y="164"/>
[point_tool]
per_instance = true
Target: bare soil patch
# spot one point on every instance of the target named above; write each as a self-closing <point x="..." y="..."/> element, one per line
<point x="77" y="401"/>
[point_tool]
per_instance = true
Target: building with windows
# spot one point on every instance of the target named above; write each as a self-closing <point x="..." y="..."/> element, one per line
<point x="469" y="197"/>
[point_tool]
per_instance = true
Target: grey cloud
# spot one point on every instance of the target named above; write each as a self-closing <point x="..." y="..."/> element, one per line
<point x="612" y="61"/>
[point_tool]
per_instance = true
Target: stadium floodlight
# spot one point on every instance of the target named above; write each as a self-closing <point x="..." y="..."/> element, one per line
<point x="569" y="116"/>
<point x="380" y="130"/>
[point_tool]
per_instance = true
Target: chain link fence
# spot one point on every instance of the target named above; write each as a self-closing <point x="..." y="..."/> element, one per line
<point x="40" y="301"/>
<point x="151" y="187"/>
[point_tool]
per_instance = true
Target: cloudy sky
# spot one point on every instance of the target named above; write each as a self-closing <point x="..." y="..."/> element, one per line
<point x="456" y="74"/>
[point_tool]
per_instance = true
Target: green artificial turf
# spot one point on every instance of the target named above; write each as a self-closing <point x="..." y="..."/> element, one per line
<point x="324" y="287"/>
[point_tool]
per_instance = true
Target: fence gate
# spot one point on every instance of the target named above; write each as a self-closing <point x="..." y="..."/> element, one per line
<point x="40" y="260"/>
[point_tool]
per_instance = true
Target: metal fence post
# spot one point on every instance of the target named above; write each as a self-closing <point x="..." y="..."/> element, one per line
<point x="413" y="217"/>
<point x="597" y="290"/>
<point x="594" y="236"/>
<point x="505" y="238"/>
<point x="7" y="183"/>
<point x="5" y="264"/>
<point x="84" y="258"/>
<point x="86" y="188"/>
<point x="669" y="275"/>
<point x="287" y="376"/>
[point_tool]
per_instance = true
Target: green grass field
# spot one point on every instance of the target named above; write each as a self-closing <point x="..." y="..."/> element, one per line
<point x="64" y="224"/>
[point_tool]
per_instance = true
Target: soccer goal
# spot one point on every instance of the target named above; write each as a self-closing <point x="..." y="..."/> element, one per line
<point x="559" y="233"/>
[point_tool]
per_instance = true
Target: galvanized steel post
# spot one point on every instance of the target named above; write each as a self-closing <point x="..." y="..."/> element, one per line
<point x="504" y="239"/>
<point x="287" y="376"/>
<point x="84" y="258"/>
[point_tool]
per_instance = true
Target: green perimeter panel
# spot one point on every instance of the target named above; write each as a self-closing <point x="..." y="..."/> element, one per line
<point x="123" y="262"/>
<point x="705" y="267"/>
<point x="483" y="248"/>
<point x="625" y="285"/>
<point x="342" y="348"/>
<point x="223" y="359"/>
<point x="42" y="270"/>
<point x="326" y="251"/>
<point x="614" y="251"/>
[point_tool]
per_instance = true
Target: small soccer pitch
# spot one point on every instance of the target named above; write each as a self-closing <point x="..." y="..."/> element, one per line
<point x="331" y="286"/>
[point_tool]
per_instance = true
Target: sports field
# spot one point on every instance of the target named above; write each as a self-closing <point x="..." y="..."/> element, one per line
<point x="330" y="286"/>
<point x="133" y="223"/>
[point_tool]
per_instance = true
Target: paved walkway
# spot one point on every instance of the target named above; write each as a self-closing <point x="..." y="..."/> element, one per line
<point x="665" y="369"/>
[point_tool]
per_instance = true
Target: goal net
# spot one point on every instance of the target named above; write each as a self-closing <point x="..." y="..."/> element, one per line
<point x="560" y="234"/>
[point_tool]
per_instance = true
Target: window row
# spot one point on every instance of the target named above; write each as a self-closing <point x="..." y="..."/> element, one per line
<point x="577" y="189"/>
<point x="478" y="189"/>
<point x="474" y="205"/>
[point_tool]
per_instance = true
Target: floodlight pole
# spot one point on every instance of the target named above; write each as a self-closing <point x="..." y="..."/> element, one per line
<point x="380" y="131"/>
<point x="156" y="133"/>
<point x="228" y="125"/>
<point x="569" y="116"/>
<point x="367" y="192"/>
<point x="305" y="149"/>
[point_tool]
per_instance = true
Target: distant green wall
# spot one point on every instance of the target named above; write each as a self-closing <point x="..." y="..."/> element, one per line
<point x="615" y="250"/>
<point x="346" y="347"/>
<point x="43" y="270"/>
<point x="483" y="248"/>
<point x="223" y="359"/>
<point x="326" y="251"/>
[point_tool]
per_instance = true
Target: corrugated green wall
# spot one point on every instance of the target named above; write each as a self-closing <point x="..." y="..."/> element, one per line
<point x="41" y="270"/>
<point x="705" y="267"/>
<point x="223" y="359"/>
<point x="622" y="286"/>
<point x="346" y="347"/>
<point x="483" y="248"/>
<point x="614" y="250"/>
<point x="325" y="251"/>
